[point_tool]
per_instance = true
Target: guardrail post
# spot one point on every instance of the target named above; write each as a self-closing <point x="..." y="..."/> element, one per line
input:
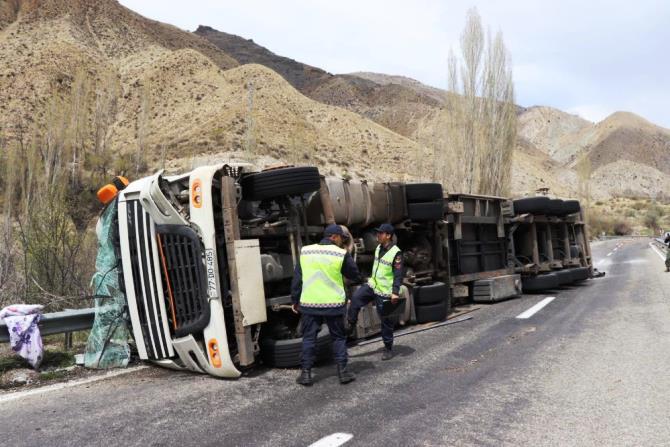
<point x="67" y="342"/>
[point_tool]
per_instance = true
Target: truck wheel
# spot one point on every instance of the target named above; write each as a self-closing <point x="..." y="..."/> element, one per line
<point x="564" y="276"/>
<point x="426" y="211"/>
<point x="580" y="274"/>
<point x="423" y="192"/>
<point x="532" y="205"/>
<point x="555" y="207"/>
<point x="397" y="202"/>
<point x="571" y="207"/>
<point x="280" y="182"/>
<point x="430" y="312"/>
<point x="540" y="282"/>
<point x="432" y="294"/>
<point x="287" y="353"/>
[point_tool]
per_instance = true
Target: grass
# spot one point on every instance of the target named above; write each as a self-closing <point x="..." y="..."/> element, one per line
<point x="52" y="360"/>
<point x="641" y="216"/>
<point x="53" y="375"/>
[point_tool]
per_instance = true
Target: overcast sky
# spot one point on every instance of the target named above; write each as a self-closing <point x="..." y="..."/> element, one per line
<point x="591" y="58"/>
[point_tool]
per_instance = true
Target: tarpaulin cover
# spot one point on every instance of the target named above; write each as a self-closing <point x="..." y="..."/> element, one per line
<point x="107" y="345"/>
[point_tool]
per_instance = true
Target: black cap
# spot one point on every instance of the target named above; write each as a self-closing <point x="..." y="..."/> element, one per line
<point x="385" y="228"/>
<point x="333" y="229"/>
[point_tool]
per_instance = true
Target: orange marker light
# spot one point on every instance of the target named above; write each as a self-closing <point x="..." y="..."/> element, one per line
<point x="196" y="193"/>
<point x="214" y="354"/>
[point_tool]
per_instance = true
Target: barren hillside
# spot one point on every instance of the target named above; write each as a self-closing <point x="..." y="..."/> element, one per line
<point x="551" y="130"/>
<point x="175" y="95"/>
<point x="627" y="154"/>
<point x="399" y="106"/>
<point x="45" y="43"/>
<point x="422" y="89"/>
<point x="302" y="76"/>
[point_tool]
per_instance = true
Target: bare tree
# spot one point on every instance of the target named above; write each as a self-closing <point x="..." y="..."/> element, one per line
<point x="79" y="127"/>
<point x="482" y="115"/>
<point x="106" y="103"/>
<point x="143" y="127"/>
<point x="39" y="235"/>
<point x="583" y="168"/>
<point x="250" y="134"/>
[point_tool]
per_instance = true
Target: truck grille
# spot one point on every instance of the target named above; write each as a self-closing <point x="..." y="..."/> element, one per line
<point x="184" y="278"/>
<point x="148" y="289"/>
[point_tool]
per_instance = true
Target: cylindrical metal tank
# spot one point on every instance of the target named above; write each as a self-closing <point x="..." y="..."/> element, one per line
<point x="338" y="198"/>
<point x="379" y="202"/>
<point x="358" y="202"/>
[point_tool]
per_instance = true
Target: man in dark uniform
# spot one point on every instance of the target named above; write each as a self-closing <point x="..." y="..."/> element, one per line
<point x="317" y="290"/>
<point x="383" y="285"/>
<point x="667" y="253"/>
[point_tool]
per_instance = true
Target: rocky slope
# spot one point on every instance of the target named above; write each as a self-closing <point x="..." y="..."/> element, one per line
<point x="399" y="106"/>
<point x="182" y="96"/>
<point x="175" y="95"/>
<point x="626" y="154"/>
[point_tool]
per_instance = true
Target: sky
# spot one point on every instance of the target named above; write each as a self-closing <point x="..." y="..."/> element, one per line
<point x="590" y="58"/>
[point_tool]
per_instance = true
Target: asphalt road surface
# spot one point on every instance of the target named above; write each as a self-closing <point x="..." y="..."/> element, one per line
<point x="591" y="367"/>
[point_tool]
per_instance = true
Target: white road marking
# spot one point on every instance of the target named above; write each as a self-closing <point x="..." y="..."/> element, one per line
<point x="60" y="386"/>
<point x="610" y="253"/>
<point x="656" y="251"/>
<point x="334" y="440"/>
<point x="536" y="308"/>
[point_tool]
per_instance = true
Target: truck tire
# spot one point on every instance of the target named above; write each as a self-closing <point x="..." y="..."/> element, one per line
<point x="423" y="192"/>
<point x="280" y="182"/>
<point x="580" y="274"/>
<point x="571" y="207"/>
<point x="397" y="202"/>
<point x="426" y="211"/>
<point x="540" y="282"/>
<point x="532" y="205"/>
<point x="565" y="277"/>
<point x="432" y="294"/>
<point x="288" y="353"/>
<point x="430" y="312"/>
<point x="555" y="207"/>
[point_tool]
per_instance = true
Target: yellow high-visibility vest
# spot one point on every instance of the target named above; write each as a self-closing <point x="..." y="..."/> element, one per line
<point x="381" y="280"/>
<point x="322" y="283"/>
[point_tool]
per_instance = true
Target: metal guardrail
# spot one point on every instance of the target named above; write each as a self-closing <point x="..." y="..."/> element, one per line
<point x="59" y="323"/>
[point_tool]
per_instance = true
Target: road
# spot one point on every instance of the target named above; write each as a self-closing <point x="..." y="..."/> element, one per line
<point x="589" y="368"/>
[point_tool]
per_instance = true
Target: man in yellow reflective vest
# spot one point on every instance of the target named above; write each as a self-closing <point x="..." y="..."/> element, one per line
<point x="317" y="291"/>
<point x="383" y="285"/>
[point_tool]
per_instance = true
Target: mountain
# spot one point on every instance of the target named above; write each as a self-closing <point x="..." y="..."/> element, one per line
<point x="45" y="43"/>
<point x="550" y="141"/>
<point x="172" y="95"/>
<point x="399" y="106"/>
<point x="301" y="76"/>
<point x="627" y="155"/>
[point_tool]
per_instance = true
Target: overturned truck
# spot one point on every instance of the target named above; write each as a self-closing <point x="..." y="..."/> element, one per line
<point x="207" y="257"/>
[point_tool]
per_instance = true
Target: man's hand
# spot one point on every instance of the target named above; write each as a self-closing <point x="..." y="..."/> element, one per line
<point x="295" y="308"/>
<point x="394" y="298"/>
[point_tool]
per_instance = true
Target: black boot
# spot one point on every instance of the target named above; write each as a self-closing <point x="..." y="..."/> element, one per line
<point x="305" y="378"/>
<point x="388" y="353"/>
<point x="345" y="375"/>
